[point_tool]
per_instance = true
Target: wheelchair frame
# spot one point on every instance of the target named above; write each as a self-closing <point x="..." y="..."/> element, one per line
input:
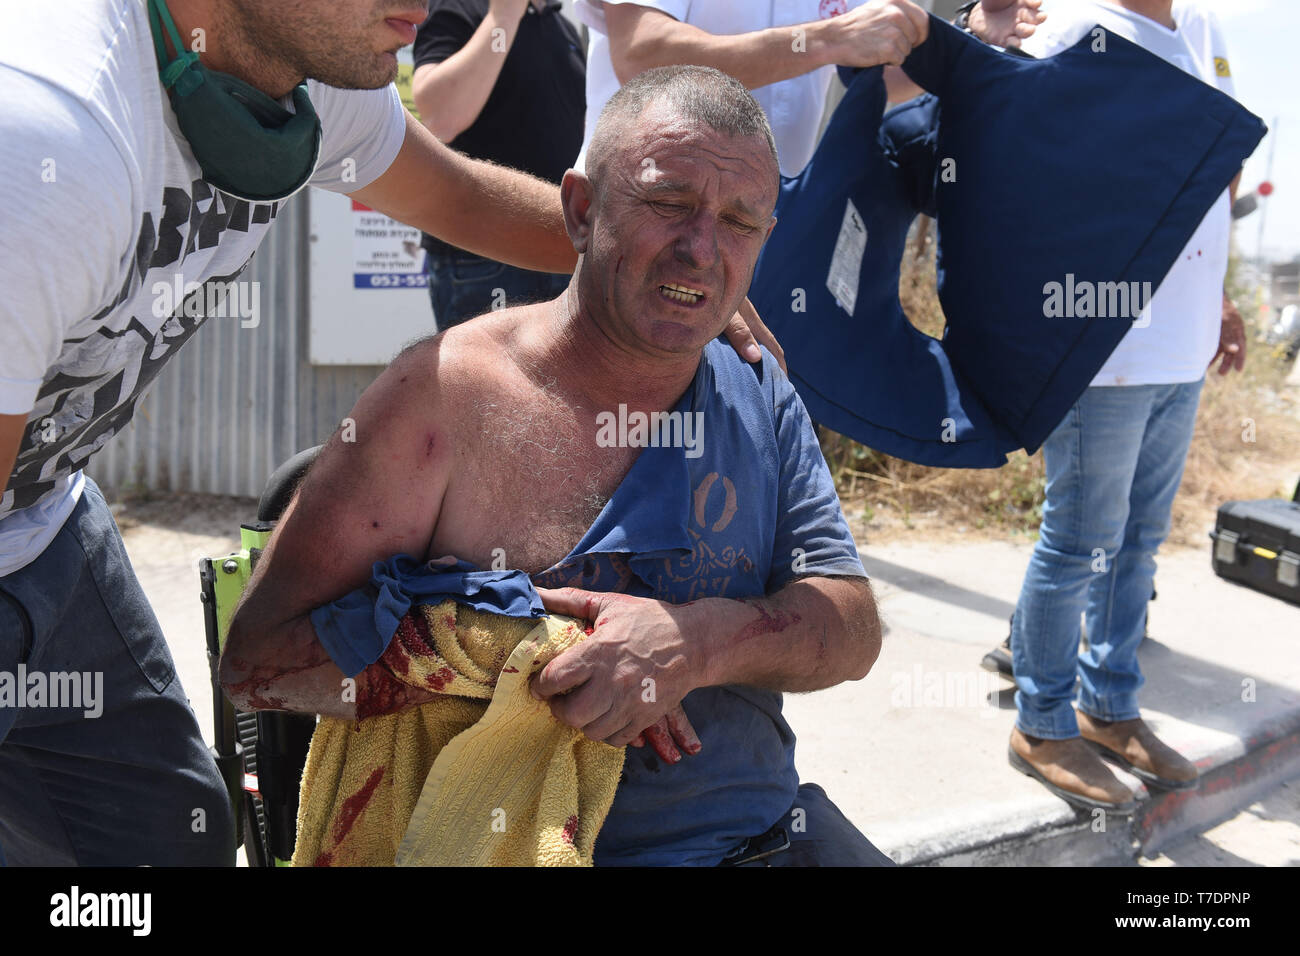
<point x="260" y="754"/>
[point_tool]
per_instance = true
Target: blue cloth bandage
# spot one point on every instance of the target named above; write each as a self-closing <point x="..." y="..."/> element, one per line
<point x="355" y="629"/>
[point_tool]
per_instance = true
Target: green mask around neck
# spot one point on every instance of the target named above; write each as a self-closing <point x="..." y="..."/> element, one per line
<point x="247" y="144"/>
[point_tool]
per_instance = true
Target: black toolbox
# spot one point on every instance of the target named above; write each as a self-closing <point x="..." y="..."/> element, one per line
<point x="1257" y="543"/>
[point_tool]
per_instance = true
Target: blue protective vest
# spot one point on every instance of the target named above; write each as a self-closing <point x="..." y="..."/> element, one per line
<point x="1096" y="165"/>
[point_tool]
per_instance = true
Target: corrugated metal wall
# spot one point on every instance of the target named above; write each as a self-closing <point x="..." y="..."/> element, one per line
<point x="235" y="402"/>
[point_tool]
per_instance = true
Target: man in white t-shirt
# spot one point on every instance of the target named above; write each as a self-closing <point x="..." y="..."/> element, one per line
<point x="784" y="51"/>
<point x="1113" y="467"/>
<point x="108" y="209"/>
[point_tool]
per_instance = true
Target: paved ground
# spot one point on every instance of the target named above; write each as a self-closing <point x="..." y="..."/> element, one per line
<point x="1267" y="833"/>
<point x="917" y="751"/>
<point x="915" y="754"/>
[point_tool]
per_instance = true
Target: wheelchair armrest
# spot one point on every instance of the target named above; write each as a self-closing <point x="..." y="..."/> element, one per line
<point x="283" y="482"/>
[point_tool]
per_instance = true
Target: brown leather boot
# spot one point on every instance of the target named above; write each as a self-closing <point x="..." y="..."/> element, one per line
<point x="1072" y="771"/>
<point x="1133" y="744"/>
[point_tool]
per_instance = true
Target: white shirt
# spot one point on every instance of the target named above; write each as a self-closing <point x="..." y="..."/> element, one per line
<point x="1178" y="333"/>
<point x="103" y="200"/>
<point x="794" y="107"/>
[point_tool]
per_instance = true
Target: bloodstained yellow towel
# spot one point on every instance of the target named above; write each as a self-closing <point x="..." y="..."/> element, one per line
<point x="459" y="781"/>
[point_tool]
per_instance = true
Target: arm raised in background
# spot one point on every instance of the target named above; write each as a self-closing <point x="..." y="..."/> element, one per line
<point x="883" y="31"/>
<point x="499" y="213"/>
<point x="999" y="22"/>
<point x="451" y="94"/>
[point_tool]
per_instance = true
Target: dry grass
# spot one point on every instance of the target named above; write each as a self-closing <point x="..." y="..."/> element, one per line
<point x="1246" y="445"/>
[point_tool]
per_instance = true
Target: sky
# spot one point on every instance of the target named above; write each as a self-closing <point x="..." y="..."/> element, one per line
<point x="1264" y="57"/>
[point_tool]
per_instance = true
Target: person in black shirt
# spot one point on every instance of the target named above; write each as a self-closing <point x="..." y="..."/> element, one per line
<point x="505" y="81"/>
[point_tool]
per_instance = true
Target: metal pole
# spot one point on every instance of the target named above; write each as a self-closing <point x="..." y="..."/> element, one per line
<point x="1268" y="177"/>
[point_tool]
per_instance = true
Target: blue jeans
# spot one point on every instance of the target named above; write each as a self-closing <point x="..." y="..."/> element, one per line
<point x="122" y="779"/>
<point x="820" y="835"/>
<point x="1113" y="467"/>
<point x="463" y="285"/>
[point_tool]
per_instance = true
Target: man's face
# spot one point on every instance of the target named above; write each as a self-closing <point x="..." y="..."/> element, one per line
<point x="676" y="228"/>
<point x="350" y="44"/>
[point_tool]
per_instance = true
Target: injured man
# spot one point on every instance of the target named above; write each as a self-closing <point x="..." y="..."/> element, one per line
<point x="607" y="456"/>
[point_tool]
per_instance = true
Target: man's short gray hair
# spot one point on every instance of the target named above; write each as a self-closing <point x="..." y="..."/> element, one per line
<point x="699" y="94"/>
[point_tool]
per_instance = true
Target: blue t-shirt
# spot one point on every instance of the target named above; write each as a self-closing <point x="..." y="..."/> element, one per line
<point x="742" y="513"/>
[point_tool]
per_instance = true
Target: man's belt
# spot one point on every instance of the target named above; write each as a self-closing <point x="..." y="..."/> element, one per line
<point x="759" y="848"/>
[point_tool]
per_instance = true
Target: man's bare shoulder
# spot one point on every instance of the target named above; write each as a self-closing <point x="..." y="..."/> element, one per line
<point x="478" y="344"/>
<point x="473" y="360"/>
<point x="442" y="386"/>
